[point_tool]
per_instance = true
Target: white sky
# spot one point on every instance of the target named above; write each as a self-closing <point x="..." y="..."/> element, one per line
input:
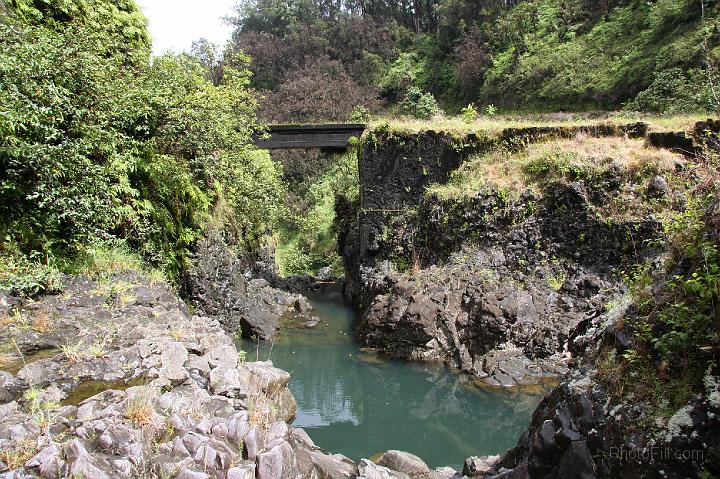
<point x="175" y="24"/>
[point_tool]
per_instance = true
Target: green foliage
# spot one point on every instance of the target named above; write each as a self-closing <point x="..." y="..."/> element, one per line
<point x="469" y="113"/>
<point x="360" y="114"/>
<point x="555" y="165"/>
<point x="491" y="110"/>
<point x="674" y="91"/>
<point x="122" y="23"/>
<point x="547" y="55"/>
<point x="403" y="74"/>
<point x="102" y="260"/>
<point x="419" y="104"/>
<point x="687" y="316"/>
<point x="308" y="238"/>
<point x="20" y="274"/>
<point x="675" y="330"/>
<point x="545" y="58"/>
<point x="98" y="144"/>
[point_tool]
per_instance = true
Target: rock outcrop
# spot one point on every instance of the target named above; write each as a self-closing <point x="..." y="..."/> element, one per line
<point x="582" y="430"/>
<point x="514" y="291"/>
<point x="489" y="284"/>
<point x="222" y="285"/>
<point x="131" y="385"/>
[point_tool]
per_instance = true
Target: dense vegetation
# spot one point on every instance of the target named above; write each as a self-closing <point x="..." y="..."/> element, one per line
<point x="308" y="227"/>
<point x="100" y="147"/>
<point x="674" y="325"/>
<point x="319" y="60"/>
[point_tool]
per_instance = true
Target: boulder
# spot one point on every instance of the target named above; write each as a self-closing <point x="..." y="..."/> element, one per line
<point x="227" y="382"/>
<point x="404" y="462"/>
<point x="335" y="466"/>
<point x="480" y="466"/>
<point x="370" y="470"/>
<point x="243" y="470"/>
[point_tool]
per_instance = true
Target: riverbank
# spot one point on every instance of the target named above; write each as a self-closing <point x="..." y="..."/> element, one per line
<point x="115" y="378"/>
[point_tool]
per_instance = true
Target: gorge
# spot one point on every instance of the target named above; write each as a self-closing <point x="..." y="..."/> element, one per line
<point x="518" y="287"/>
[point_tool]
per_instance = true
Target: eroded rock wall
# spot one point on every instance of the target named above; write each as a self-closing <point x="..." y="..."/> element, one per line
<point x="489" y="284"/>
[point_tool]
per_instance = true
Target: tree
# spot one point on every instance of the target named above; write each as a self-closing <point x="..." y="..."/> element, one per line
<point x="322" y="91"/>
<point x="472" y="59"/>
<point x="96" y="145"/>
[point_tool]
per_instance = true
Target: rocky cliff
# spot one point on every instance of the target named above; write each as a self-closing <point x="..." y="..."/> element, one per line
<point x="523" y="276"/>
<point x="492" y="283"/>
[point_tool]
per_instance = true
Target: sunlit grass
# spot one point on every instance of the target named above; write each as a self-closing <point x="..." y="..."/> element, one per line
<point x="497" y="123"/>
<point x="582" y="156"/>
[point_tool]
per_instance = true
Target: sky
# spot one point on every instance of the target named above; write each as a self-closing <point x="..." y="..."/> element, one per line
<point x="175" y="24"/>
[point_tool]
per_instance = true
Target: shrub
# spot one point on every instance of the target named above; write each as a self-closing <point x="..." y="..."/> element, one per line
<point x="29" y="276"/>
<point x="420" y="105"/>
<point x="402" y="75"/>
<point x="673" y="91"/>
<point x="360" y="114"/>
<point x="469" y="113"/>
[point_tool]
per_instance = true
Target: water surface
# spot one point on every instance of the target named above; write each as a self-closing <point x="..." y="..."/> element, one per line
<point x="358" y="404"/>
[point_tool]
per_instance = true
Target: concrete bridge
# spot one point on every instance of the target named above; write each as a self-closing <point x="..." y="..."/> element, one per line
<point x="328" y="136"/>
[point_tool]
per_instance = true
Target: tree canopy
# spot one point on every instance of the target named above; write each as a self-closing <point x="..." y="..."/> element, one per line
<point x="98" y="143"/>
<point x="517" y="54"/>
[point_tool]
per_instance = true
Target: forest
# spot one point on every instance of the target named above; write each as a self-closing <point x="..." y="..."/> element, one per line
<point x="316" y="60"/>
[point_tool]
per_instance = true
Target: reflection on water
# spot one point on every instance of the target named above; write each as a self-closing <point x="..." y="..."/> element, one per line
<point x="357" y="404"/>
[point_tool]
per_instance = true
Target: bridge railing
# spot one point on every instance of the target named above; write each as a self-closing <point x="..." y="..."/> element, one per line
<point x="309" y="136"/>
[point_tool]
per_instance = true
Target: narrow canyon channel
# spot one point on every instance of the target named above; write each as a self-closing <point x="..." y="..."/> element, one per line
<point x="359" y="404"/>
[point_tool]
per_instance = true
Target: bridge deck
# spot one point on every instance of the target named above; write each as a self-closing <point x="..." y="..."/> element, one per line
<point x="309" y="136"/>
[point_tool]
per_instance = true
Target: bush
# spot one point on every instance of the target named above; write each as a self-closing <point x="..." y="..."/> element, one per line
<point x="27" y="276"/>
<point x="402" y="75"/>
<point x="97" y="145"/>
<point x="420" y="105"/>
<point x="673" y="91"/>
<point x="360" y="114"/>
<point x="469" y="113"/>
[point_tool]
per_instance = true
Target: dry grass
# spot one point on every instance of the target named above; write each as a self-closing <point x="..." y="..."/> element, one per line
<point x="141" y="410"/>
<point x="516" y="171"/>
<point x="261" y="412"/>
<point x="178" y="334"/>
<point x="16" y="456"/>
<point x="104" y="261"/>
<point x="494" y="124"/>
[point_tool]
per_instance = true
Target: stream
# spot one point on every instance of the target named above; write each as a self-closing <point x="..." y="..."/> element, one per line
<point x="359" y="404"/>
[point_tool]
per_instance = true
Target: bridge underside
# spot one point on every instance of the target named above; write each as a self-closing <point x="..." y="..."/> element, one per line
<point x="286" y="137"/>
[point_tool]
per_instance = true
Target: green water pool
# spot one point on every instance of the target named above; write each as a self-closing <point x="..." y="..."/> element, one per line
<point x="358" y="404"/>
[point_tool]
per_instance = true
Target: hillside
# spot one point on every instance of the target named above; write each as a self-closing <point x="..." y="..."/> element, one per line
<point x="320" y="62"/>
